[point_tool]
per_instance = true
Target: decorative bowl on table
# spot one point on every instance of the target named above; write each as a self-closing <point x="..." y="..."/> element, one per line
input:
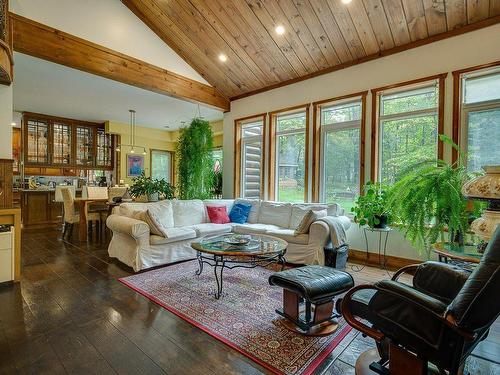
<point x="238" y="240"/>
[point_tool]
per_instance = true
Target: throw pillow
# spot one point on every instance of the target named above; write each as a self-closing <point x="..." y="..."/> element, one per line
<point x="218" y="214"/>
<point x="308" y="219"/>
<point x="239" y="213"/>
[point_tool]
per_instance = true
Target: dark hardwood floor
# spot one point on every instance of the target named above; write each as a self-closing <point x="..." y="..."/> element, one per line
<point x="69" y="315"/>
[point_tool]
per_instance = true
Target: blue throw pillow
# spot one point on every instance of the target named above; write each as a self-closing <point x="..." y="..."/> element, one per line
<point x="239" y="213"/>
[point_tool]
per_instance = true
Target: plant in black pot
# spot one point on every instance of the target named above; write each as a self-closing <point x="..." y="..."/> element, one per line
<point x="150" y="188"/>
<point x="371" y="207"/>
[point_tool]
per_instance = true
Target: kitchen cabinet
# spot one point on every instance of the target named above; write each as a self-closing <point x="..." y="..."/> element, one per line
<point x="54" y="143"/>
<point x="39" y="209"/>
<point x="16" y="150"/>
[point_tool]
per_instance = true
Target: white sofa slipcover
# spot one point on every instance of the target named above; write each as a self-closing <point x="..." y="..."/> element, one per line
<point x="133" y="244"/>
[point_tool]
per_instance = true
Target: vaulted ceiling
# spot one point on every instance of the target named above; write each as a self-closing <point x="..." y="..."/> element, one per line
<point x="319" y="35"/>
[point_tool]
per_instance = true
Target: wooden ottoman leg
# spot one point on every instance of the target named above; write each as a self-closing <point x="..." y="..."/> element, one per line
<point x="291" y="304"/>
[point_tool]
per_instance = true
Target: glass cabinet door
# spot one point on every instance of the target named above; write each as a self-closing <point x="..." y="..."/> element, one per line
<point x="104" y="149"/>
<point x="37" y="146"/>
<point x="84" y="145"/>
<point x="61" y="146"/>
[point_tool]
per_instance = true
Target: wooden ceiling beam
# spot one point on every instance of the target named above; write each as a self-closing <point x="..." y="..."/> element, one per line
<point x="41" y="41"/>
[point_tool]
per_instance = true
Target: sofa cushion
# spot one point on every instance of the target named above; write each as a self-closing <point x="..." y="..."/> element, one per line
<point x="217" y="214"/>
<point x="300" y="210"/>
<point x="253" y="218"/>
<point x="208" y="229"/>
<point x="239" y="213"/>
<point x="275" y="213"/>
<point x="173" y="235"/>
<point x="308" y="219"/>
<point x="188" y="212"/>
<point x="254" y="228"/>
<point x="289" y="236"/>
<point x="228" y="203"/>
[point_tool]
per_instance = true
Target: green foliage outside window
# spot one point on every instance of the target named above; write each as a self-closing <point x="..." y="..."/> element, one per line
<point x="195" y="163"/>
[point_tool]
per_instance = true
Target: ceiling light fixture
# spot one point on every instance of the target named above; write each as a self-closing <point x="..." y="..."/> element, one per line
<point x="13" y="123"/>
<point x="222" y="57"/>
<point x="280" y="30"/>
<point x="346" y="1"/>
<point x="132" y="137"/>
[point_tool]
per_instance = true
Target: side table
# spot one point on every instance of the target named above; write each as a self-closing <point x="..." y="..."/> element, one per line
<point x="381" y="249"/>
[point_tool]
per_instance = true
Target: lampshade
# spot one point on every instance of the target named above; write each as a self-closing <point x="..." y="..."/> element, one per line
<point x="485" y="187"/>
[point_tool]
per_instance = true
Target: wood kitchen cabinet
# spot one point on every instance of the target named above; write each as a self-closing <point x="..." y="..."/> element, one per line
<point x="39" y="209"/>
<point x="59" y="143"/>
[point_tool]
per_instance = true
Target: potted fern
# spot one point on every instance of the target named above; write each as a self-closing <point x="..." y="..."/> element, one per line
<point x="371" y="207"/>
<point x="427" y="201"/>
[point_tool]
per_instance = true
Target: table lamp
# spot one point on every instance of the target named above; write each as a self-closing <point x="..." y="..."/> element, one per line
<point x="486" y="188"/>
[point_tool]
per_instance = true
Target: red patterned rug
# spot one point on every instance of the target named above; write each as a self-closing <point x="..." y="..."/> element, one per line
<point x="243" y="318"/>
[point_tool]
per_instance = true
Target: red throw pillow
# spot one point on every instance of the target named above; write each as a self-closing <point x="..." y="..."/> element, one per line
<point x="218" y="214"/>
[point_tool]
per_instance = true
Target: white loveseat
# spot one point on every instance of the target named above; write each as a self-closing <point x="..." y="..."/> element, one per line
<point x="133" y="244"/>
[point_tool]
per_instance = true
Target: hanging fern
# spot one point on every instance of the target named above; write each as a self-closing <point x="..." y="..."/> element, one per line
<point x="194" y="170"/>
<point x="427" y="200"/>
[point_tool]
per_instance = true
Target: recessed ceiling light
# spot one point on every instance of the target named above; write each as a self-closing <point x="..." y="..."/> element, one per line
<point x="346" y="1"/>
<point x="280" y="30"/>
<point x="222" y="57"/>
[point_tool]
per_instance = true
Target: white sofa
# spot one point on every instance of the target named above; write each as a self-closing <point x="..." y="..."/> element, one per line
<point x="133" y="244"/>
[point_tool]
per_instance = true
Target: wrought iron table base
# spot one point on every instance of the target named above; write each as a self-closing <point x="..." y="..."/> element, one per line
<point x="220" y="262"/>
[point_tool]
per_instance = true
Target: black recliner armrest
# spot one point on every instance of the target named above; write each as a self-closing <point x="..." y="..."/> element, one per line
<point x="440" y="280"/>
<point x="412" y="296"/>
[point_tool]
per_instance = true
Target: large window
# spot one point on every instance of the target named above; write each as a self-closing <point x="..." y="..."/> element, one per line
<point x="409" y="121"/>
<point x="289" y="139"/>
<point x="162" y="165"/>
<point x="340" y="150"/>
<point x="480" y="118"/>
<point x="249" y="157"/>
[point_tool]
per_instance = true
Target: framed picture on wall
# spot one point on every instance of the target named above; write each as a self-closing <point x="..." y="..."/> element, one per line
<point x="135" y="165"/>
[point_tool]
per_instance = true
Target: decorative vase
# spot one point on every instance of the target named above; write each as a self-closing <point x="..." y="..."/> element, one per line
<point x="487" y="188"/>
<point x="153" y="197"/>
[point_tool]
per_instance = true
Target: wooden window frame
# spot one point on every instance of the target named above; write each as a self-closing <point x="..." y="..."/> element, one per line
<point x="237" y="151"/>
<point x="272" y="149"/>
<point x="317" y="140"/>
<point x="172" y="163"/>
<point x="440" y="78"/>
<point x="457" y="102"/>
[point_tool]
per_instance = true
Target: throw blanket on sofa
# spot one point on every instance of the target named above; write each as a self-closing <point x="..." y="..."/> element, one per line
<point x="337" y="230"/>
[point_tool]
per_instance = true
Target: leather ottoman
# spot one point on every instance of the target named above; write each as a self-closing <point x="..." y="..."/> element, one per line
<point x="308" y="297"/>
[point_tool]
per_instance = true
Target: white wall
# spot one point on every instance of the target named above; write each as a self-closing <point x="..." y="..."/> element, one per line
<point x="108" y="23"/>
<point x="5" y="122"/>
<point x="475" y="48"/>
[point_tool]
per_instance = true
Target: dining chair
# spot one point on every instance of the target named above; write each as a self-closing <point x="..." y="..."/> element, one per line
<point x="71" y="216"/>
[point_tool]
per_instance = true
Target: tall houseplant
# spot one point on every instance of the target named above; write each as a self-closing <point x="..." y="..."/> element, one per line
<point x="427" y="200"/>
<point x="194" y="170"/>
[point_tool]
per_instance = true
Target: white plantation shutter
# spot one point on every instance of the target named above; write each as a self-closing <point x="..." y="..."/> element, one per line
<point x="251" y="161"/>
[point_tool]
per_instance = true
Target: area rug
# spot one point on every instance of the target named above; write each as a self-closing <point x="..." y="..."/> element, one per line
<point x="244" y="318"/>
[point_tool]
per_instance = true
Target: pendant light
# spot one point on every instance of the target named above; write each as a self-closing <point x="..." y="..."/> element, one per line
<point x="132" y="137"/>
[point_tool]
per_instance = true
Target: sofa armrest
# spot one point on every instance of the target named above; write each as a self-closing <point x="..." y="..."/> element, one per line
<point x="122" y="224"/>
<point x="319" y="233"/>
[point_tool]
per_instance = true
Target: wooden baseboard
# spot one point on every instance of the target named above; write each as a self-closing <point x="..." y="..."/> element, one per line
<point x="392" y="262"/>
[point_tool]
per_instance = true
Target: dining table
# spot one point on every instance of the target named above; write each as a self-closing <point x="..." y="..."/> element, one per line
<point x="82" y="205"/>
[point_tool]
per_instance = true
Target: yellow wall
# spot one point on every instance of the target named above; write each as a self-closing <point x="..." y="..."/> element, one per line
<point x="151" y="139"/>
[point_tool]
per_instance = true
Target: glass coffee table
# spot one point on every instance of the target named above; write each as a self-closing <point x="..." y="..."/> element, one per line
<point x="238" y="251"/>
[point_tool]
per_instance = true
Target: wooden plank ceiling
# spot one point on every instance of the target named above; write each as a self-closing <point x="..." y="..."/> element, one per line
<point x="319" y="35"/>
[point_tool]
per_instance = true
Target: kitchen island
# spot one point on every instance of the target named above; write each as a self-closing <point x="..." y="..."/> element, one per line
<point x="39" y="208"/>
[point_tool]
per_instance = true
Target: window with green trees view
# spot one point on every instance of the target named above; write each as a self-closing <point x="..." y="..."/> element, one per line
<point x="290" y="160"/>
<point x="340" y="152"/>
<point x="161" y="165"/>
<point x="251" y="159"/>
<point x="481" y="118"/>
<point x="408" y="128"/>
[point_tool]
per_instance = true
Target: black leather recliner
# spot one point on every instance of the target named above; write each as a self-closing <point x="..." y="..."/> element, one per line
<point x="440" y="318"/>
